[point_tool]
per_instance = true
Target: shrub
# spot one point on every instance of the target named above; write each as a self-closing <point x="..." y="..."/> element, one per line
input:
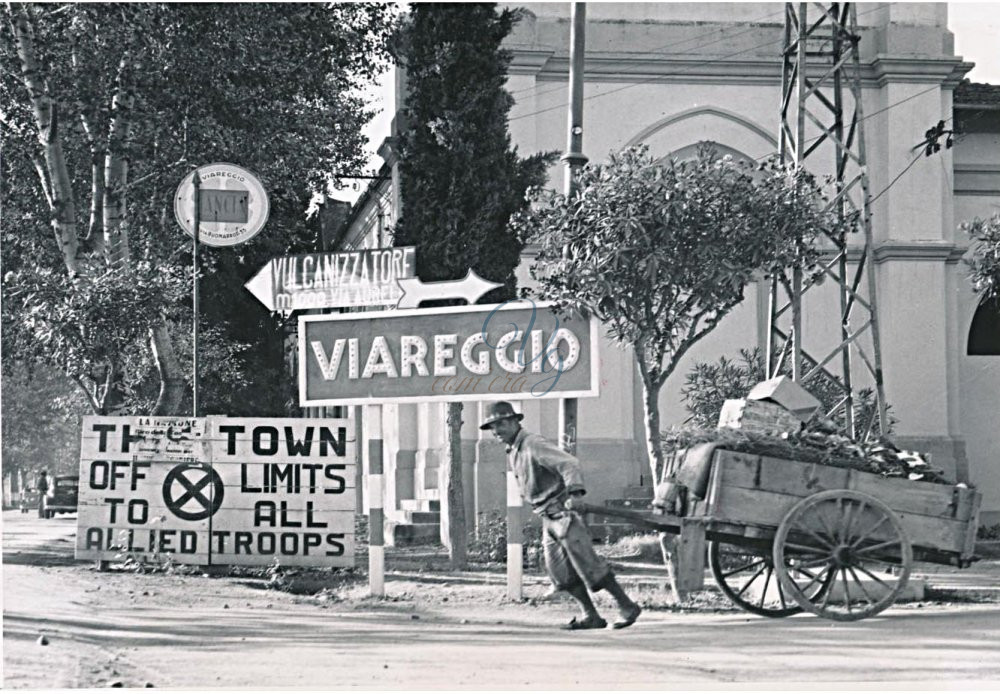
<point x="490" y="544"/>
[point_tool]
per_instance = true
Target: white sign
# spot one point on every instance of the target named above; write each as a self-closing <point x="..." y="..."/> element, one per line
<point x="333" y="279"/>
<point x="470" y="288"/>
<point x="512" y="351"/>
<point x="233" y="204"/>
<point x="251" y="491"/>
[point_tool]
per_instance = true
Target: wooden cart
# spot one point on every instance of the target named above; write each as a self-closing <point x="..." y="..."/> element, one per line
<point x="786" y="535"/>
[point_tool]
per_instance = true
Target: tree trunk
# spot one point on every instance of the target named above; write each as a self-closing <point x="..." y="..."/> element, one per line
<point x="171" y="377"/>
<point x="54" y="173"/>
<point x="651" y="410"/>
<point x="654" y="449"/>
<point x="116" y="169"/>
<point x="453" y="530"/>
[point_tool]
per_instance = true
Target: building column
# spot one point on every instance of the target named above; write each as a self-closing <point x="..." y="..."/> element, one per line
<point x="913" y="256"/>
<point x="400" y="456"/>
<point x="489" y="477"/>
<point x="427" y="458"/>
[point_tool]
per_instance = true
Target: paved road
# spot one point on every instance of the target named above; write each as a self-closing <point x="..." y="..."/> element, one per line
<point x="189" y="631"/>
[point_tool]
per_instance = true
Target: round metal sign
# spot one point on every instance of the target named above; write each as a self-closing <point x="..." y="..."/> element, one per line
<point x="233" y="204"/>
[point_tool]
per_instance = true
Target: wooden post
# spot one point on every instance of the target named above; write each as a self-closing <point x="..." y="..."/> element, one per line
<point x="515" y="540"/>
<point x="690" y="551"/>
<point x="376" y="515"/>
<point x="453" y="521"/>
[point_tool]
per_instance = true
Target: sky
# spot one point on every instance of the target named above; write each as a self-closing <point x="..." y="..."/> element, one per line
<point x="976" y="26"/>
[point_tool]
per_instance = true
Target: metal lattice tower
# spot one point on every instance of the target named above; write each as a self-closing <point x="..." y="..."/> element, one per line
<point x="820" y="68"/>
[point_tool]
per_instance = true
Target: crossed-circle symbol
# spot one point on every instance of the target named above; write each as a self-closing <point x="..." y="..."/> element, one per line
<point x="193" y="491"/>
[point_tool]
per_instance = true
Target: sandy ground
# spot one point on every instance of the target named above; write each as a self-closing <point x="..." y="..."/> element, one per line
<point x="437" y="631"/>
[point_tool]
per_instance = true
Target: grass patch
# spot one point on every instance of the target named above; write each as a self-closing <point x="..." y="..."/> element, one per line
<point x="644" y="547"/>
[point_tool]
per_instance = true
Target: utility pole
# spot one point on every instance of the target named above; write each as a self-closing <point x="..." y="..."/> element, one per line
<point x="574" y="158"/>
<point x="820" y="67"/>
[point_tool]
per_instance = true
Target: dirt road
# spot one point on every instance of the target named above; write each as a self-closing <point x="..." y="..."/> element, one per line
<point x="457" y="632"/>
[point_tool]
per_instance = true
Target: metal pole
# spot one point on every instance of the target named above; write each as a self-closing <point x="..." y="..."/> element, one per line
<point x="194" y="293"/>
<point x="800" y="153"/>
<point x="866" y="220"/>
<point x="574" y="159"/>
<point x="574" y="156"/>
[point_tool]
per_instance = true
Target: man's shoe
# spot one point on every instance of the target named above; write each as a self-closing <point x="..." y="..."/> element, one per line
<point x="628" y="619"/>
<point x="551" y="595"/>
<point x="586" y="623"/>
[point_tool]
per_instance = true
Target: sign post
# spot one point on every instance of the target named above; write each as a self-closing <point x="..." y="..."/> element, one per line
<point x="196" y="271"/>
<point x="219" y="205"/>
<point x="511" y="351"/>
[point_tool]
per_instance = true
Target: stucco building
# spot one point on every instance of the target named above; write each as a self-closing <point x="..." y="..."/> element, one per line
<point x="672" y="75"/>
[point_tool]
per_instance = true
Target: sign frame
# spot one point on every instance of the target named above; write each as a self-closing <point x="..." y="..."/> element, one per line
<point x="592" y="341"/>
<point x="259" y="205"/>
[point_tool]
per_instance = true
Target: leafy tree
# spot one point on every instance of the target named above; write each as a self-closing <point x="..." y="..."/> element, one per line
<point x="39" y="430"/>
<point x="984" y="265"/>
<point x="106" y="108"/>
<point x="460" y="177"/>
<point x="661" y="252"/>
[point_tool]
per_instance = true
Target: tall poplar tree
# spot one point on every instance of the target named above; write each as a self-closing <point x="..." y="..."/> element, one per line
<point x="105" y="107"/>
<point x="461" y="178"/>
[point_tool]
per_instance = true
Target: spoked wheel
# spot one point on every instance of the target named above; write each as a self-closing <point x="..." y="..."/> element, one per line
<point x="851" y="541"/>
<point x="748" y="579"/>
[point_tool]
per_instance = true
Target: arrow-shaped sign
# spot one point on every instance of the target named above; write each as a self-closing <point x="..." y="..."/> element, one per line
<point x="261" y="286"/>
<point x="333" y="279"/>
<point x="470" y="288"/>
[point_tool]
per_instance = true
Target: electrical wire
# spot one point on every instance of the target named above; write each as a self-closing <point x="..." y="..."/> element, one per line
<point x="863" y="119"/>
<point x="920" y="155"/>
<point x="675" y="44"/>
<point x="678" y="72"/>
<point x="642" y="82"/>
<point x="898" y="176"/>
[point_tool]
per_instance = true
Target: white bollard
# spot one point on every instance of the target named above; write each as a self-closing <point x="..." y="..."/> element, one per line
<point x="515" y="540"/>
<point x="376" y="514"/>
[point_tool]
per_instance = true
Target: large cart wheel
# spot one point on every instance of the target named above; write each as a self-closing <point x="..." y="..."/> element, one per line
<point x="748" y="579"/>
<point x="851" y="541"/>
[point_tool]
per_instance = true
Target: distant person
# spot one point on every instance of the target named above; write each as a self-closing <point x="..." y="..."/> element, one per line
<point x="550" y="479"/>
<point x="42" y="487"/>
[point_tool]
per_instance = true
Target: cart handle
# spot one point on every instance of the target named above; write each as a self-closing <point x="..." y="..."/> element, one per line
<point x="663" y="523"/>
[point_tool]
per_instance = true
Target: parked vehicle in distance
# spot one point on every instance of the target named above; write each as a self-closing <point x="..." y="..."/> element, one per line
<point x="63" y="495"/>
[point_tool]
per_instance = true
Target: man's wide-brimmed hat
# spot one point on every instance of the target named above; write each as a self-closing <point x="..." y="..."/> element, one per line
<point x="497" y="411"/>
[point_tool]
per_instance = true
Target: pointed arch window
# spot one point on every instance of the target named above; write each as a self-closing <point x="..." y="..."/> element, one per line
<point x="984" y="333"/>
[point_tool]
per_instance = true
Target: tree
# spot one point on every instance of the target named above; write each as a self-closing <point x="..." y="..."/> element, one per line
<point x="460" y="177"/>
<point x="39" y="430"/>
<point x="106" y="107"/>
<point x="661" y="252"/>
<point x="984" y="264"/>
